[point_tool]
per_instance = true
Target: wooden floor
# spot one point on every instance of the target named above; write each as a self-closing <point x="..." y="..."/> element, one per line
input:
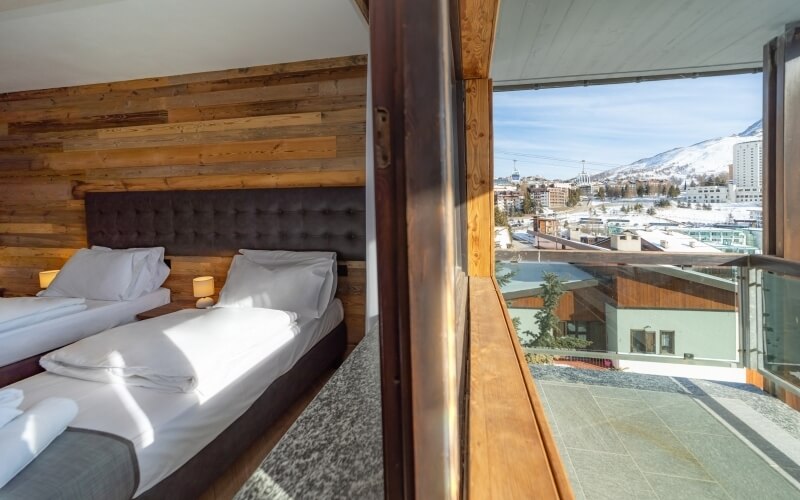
<point x="229" y="483"/>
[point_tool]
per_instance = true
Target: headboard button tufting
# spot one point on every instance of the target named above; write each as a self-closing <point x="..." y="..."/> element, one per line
<point x="303" y="218"/>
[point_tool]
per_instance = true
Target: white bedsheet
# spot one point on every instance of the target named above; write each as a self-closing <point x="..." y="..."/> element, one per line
<point x="199" y="350"/>
<point x="167" y="429"/>
<point x="18" y="312"/>
<point x="99" y="315"/>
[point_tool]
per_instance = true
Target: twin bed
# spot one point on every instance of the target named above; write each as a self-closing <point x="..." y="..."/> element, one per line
<point x="169" y="430"/>
<point x="21" y="347"/>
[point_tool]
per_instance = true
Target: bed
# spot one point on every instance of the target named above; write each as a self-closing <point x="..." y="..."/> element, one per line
<point x="22" y="347"/>
<point x="166" y="430"/>
<point x="176" y="445"/>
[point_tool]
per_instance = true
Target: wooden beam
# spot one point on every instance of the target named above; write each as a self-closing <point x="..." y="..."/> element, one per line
<point x="363" y="7"/>
<point x="480" y="169"/>
<point x="478" y="25"/>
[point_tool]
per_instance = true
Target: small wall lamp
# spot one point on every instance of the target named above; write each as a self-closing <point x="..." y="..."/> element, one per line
<point x="46" y="277"/>
<point x="203" y="287"/>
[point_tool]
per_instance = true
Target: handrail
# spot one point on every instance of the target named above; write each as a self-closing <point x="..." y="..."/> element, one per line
<point x="672" y="360"/>
<point x="775" y="264"/>
<point x="600" y="257"/>
<point x="630" y="258"/>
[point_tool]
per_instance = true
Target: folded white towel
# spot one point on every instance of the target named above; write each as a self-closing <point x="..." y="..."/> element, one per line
<point x="10" y="399"/>
<point x="24" y="438"/>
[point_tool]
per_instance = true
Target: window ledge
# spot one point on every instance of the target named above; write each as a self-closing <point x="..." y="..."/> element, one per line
<point x="511" y="450"/>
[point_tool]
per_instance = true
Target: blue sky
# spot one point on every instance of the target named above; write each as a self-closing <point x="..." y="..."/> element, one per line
<point x="617" y="124"/>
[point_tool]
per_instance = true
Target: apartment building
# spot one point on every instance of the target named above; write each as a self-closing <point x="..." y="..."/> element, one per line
<point x="710" y="194"/>
<point x="747" y="170"/>
<point x="551" y="196"/>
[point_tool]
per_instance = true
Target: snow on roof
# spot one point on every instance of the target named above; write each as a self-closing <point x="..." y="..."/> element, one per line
<point x="529" y="276"/>
<point x="670" y="241"/>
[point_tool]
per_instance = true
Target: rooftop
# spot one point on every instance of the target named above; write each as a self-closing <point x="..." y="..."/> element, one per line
<point x="675" y="242"/>
<point x="527" y="278"/>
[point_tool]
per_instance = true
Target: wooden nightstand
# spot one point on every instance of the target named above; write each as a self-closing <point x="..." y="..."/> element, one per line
<point x="165" y="309"/>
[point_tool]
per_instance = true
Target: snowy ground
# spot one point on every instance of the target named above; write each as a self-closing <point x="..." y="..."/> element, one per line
<point x="719" y="213"/>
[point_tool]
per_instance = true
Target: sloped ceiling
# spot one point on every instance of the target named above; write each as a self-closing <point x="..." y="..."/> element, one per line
<point x="55" y="43"/>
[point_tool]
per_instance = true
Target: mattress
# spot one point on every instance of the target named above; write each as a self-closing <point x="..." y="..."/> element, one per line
<point x="98" y="316"/>
<point x="167" y="429"/>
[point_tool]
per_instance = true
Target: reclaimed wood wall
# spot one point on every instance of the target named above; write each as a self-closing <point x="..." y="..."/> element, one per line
<point x="287" y="125"/>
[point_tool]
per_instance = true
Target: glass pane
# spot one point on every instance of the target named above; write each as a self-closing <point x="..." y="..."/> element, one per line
<point x="635" y="317"/>
<point x="667" y="342"/>
<point x="781" y="295"/>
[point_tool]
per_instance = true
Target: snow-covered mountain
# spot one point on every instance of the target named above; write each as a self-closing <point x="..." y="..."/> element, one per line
<point x="708" y="157"/>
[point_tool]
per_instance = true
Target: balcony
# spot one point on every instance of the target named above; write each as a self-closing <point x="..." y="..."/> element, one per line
<point x="652" y="380"/>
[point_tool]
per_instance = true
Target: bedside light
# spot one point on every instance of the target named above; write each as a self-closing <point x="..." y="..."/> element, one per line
<point x="46" y="277"/>
<point x="203" y="287"/>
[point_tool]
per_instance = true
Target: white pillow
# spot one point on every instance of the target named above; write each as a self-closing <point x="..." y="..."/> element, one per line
<point x="284" y="256"/>
<point x="97" y="275"/>
<point x="277" y="258"/>
<point x="288" y="288"/>
<point x="149" y="276"/>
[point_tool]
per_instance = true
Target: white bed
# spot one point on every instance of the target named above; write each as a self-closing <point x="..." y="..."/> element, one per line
<point x="167" y="429"/>
<point x="99" y="315"/>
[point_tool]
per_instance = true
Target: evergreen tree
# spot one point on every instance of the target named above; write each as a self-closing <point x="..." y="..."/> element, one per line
<point x="601" y="193"/>
<point x="546" y="319"/>
<point x="502" y="273"/>
<point x="574" y="197"/>
<point x="500" y="217"/>
<point x="527" y="203"/>
<point x="548" y="322"/>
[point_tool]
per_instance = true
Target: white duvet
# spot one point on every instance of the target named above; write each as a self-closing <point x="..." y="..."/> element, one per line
<point x="189" y="350"/>
<point x="17" y="312"/>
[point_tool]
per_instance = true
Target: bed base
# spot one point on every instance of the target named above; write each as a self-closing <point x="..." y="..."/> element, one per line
<point x="201" y="471"/>
<point x="20" y="370"/>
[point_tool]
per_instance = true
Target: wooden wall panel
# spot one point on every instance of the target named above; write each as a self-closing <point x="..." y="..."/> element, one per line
<point x="658" y="291"/>
<point x="298" y="124"/>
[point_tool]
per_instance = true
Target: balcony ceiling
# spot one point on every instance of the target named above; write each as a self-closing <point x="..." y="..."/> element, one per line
<point x="551" y="41"/>
<point x="54" y="43"/>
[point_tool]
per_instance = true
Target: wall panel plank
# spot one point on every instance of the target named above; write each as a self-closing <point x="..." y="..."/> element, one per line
<point x="286" y="125"/>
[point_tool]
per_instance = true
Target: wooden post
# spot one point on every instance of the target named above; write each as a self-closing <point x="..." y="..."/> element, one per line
<point x="480" y="173"/>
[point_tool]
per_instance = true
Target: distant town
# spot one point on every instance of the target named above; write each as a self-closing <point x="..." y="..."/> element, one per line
<point x="711" y="212"/>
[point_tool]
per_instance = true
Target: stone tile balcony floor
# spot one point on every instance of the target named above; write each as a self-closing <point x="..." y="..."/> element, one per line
<point x="625" y="435"/>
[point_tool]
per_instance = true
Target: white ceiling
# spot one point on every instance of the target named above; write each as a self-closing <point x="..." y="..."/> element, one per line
<point x="54" y="43"/>
<point x="550" y="41"/>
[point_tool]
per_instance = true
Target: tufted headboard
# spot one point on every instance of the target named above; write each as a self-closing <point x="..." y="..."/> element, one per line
<point x="220" y="222"/>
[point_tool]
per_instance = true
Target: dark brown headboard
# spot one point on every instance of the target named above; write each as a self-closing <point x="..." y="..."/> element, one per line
<point x="220" y="222"/>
